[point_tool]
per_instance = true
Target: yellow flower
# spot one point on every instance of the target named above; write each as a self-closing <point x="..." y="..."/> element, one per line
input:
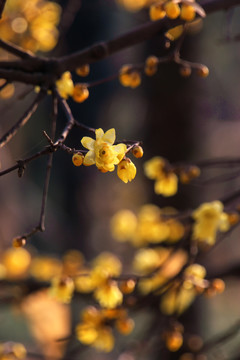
<point x="177" y="299"/>
<point x="126" y="170"/>
<point x="209" y="218"/>
<point x="65" y="85"/>
<point x="108" y="263"/>
<point x="102" y="152"/>
<point x="86" y="333"/>
<point x="62" y="289"/>
<point x="93" y="329"/>
<point x="109" y="295"/>
<point x="167" y="185"/>
<point x="154" y="168"/>
<point x="16" y="262"/>
<point x="147" y="260"/>
<point x="174" y="33"/>
<point x="44" y="268"/>
<point x="105" y="339"/>
<point x="123" y="225"/>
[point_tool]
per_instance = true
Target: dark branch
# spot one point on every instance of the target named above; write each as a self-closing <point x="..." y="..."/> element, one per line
<point x="2" y="5"/>
<point x="22" y="121"/>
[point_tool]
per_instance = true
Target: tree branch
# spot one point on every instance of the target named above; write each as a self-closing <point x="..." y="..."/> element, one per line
<point x="23" y="120"/>
<point x="2" y="5"/>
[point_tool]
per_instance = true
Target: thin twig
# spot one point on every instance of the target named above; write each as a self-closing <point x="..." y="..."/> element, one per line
<point x="16" y="50"/>
<point x="2" y="5"/>
<point x="70" y="123"/>
<point x="225" y="336"/>
<point x="41" y="225"/>
<point x="22" y="121"/>
<point x="49" y="167"/>
<point x="21" y="163"/>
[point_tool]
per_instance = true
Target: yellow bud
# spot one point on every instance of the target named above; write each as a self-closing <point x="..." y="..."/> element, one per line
<point x="218" y="285"/>
<point x="233" y="218"/>
<point x="127" y="286"/>
<point x="156" y="12"/>
<point x="187" y="12"/>
<point x="125" y="326"/>
<point x="135" y="79"/>
<point x="185" y="71"/>
<point x="203" y="71"/>
<point x="137" y="151"/>
<point x="19" y="350"/>
<point x="83" y="70"/>
<point x="194" y="171"/>
<point x="152" y="61"/>
<point x="172" y="10"/>
<point x="18" y="242"/>
<point x="80" y="93"/>
<point x="184" y="178"/>
<point x="174" y="341"/>
<point x="150" y="70"/>
<point x="77" y="159"/>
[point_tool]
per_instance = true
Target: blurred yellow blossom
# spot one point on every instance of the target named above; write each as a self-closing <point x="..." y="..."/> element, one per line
<point x="154" y="168"/>
<point x="132" y="5"/>
<point x="72" y="262"/>
<point x="123" y="225"/>
<point x="109" y="295"/>
<point x="149" y="226"/>
<point x="16" y="262"/>
<point x="95" y="328"/>
<point x="44" y="268"/>
<point x="62" y="289"/>
<point x="166" y="181"/>
<point x="170" y="266"/>
<point x="65" y="85"/>
<point x="209" y="218"/>
<point x="129" y="77"/>
<point x="167" y="185"/>
<point x="102" y="152"/>
<point x="31" y="24"/>
<point x="180" y="296"/>
<point x="147" y="260"/>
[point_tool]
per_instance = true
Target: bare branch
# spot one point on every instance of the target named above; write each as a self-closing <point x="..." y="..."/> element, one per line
<point x="23" y="120"/>
<point x="2" y="5"/>
<point x="16" y="50"/>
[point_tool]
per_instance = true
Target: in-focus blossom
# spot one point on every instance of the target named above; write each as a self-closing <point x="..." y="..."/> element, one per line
<point x="102" y="152"/>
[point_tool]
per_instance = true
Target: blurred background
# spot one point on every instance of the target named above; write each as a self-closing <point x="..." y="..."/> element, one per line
<point x="182" y="119"/>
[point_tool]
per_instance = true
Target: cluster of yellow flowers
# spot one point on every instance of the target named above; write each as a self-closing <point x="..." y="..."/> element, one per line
<point x="32" y="24"/>
<point x="165" y="175"/>
<point x="151" y="225"/>
<point x="95" y="328"/>
<point x="12" y="351"/>
<point x="158" y="169"/>
<point x="209" y="219"/>
<point x="173" y="9"/>
<point x="106" y="156"/>
<point x="158" y="9"/>
<point x="65" y="86"/>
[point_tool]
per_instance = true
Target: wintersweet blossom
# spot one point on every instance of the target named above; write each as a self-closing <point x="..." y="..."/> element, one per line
<point x="166" y="182"/>
<point x="96" y="327"/>
<point x="102" y="152"/>
<point x="65" y="85"/>
<point x="126" y="170"/>
<point x="209" y="218"/>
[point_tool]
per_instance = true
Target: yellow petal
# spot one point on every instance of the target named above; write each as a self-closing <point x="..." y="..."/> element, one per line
<point x="110" y="136"/>
<point x="89" y="158"/>
<point x="99" y="133"/>
<point x="120" y="148"/>
<point x="88" y="142"/>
